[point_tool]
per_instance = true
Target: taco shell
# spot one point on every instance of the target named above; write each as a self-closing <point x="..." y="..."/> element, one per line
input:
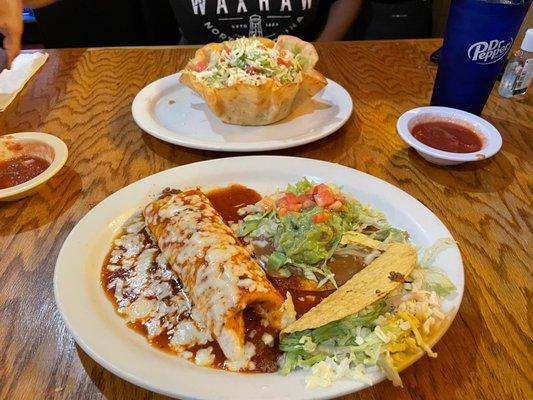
<point x="366" y="287"/>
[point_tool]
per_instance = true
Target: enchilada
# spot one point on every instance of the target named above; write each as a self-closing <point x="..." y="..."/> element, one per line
<point x="224" y="284"/>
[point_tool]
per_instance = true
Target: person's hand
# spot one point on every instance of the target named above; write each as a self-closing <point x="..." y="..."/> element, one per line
<point x="11" y="27"/>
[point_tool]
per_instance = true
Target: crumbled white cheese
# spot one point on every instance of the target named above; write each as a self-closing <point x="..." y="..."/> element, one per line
<point x="330" y="370"/>
<point x="268" y="339"/>
<point x="308" y="344"/>
<point x="140" y="309"/>
<point x="404" y="325"/>
<point x="204" y="357"/>
<point x="119" y="284"/>
<point x="113" y="267"/>
<point x="116" y="255"/>
<point x="260" y="243"/>
<point x="244" y="361"/>
<point x="162" y="290"/>
<point x="133" y="244"/>
<point x="153" y="327"/>
<point x="186" y="333"/>
<point x="136" y="227"/>
<point x="230" y="343"/>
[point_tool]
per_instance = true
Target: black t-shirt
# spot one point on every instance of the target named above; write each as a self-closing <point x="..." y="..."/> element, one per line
<point x="204" y="21"/>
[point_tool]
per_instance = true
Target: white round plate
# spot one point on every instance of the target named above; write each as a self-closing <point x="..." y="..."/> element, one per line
<point x="40" y="144"/>
<point x="102" y="334"/>
<point x="172" y="112"/>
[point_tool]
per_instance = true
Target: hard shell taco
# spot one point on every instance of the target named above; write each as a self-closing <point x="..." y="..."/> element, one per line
<point x="254" y="81"/>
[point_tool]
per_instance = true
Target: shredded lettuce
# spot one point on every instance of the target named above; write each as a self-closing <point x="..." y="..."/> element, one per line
<point x="305" y="242"/>
<point x="300" y="187"/>
<point x="297" y="345"/>
<point x="262" y="225"/>
<point x="276" y="260"/>
<point x="433" y="278"/>
<point x="303" y="246"/>
<point x="436" y="280"/>
<point x="428" y="258"/>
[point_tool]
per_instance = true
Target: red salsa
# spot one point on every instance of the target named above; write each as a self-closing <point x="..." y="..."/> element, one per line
<point x="447" y="136"/>
<point x="17" y="170"/>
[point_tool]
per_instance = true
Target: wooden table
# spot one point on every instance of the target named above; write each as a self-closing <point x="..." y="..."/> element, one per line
<point x="84" y="96"/>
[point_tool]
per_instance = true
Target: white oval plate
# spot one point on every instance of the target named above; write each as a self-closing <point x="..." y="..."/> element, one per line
<point x="172" y="112"/>
<point x="102" y="334"/>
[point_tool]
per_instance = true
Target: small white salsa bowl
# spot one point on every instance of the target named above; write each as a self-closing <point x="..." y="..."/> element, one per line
<point x="491" y="138"/>
<point x="43" y="145"/>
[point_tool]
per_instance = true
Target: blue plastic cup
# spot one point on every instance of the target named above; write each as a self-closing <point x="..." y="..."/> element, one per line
<point x="479" y="34"/>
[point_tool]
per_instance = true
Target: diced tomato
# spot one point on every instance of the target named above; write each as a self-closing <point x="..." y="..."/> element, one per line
<point x="294" y="207"/>
<point x="308" y="203"/>
<point x="282" y="211"/>
<point x="282" y="203"/>
<point x="281" y="61"/>
<point x="322" y="187"/>
<point x="201" y="65"/>
<point x="306" y="200"/>
<point x="290" y="202"/>
<point x="323" y="195"/>
<point x="337" y="204"/>
<point x="291" y="198"/>
<point x="321" y="217"/>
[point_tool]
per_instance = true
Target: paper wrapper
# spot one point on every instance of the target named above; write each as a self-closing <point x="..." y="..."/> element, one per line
<point x="13" y="80"/>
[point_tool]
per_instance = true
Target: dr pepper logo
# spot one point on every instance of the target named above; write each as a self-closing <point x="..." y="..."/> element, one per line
<point x="489" y="52"/>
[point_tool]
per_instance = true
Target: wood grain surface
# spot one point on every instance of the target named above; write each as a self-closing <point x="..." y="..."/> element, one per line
<point x="84" y="96"/>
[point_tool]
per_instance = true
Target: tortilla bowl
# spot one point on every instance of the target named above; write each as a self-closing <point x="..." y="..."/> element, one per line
<point x="263" y="104"/>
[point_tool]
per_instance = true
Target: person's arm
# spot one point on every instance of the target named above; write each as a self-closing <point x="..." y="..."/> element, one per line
<point x="342" y="14"/>
<point x="11" y="24"/>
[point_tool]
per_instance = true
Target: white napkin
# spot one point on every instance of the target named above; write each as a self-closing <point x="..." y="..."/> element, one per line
<point x="13" y="80"/>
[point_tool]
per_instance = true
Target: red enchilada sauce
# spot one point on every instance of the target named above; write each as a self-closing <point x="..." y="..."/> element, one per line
<point x="447" y="136"/>
<point x="228" y="200"/>
<point x="17" y="170"/>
